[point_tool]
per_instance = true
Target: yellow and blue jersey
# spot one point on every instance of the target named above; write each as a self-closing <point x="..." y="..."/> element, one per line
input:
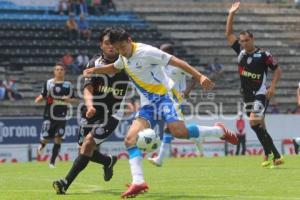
<point x="146" y="70"/>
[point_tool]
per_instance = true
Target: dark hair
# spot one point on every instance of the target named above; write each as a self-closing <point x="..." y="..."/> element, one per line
<point x="59" y="64"/>
<point x="118" y="35"/>
<point x="168" y="48"/>
<point x="247" y="32"/>
<point x="104" y="33"/>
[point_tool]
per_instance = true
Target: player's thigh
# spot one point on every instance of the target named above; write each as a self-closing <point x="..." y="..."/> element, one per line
<point x="88" y="146"/>
<point x="137" y="125"/>
<point x="255" y="119"/>
<point x="59" y="127"/>
<point x="178" y="129"/>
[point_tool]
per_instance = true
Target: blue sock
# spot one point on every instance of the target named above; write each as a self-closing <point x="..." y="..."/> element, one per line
<point x="193" y="131"/>
<point x="134" y="152"/>
<point x="167" y="138"/>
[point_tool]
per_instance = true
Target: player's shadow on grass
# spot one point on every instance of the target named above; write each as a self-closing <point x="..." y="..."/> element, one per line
<point x="109" y="191"/>
<point x="162" y="196"/>
<point x="151" y="195"/>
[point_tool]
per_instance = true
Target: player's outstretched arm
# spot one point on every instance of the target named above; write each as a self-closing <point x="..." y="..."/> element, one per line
<point x="205" y="82"/>
<point x="275" y="79"/>
<point x="106" y="69"/>
<point x="229" y="25"/>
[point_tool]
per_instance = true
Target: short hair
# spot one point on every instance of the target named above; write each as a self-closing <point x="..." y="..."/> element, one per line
<point x="247" y="32"/>
<point x="59" y="64"/>
<point x="104" y="33"/>
<point x="168" y="48"/>
<point x="118" y="35"/>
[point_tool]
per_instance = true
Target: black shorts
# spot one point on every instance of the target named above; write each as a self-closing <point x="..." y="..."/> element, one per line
<point x="52" y="128"/>
<point x="100" y="128"/>
<point x="257" y="104"/>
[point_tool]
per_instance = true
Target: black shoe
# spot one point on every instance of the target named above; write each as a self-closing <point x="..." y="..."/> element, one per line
<point x="59" y="186"/>
<point x="108" y="170"/>
<point x="296" y="146"/>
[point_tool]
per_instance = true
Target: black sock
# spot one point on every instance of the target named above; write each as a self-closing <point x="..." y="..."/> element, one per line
<point x="79" y="164"/>
<point x="260" y="133"/>
<point x="269" y="140"/>
<point x="296" y="146"/>
<point x="100" y="158"/>
<point x="55" y="151"/>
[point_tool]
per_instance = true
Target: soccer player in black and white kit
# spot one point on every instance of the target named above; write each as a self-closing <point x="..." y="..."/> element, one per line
<point x="102" y="96"/>
<point x="253" y="64"/>
<point x="58" y="94"/>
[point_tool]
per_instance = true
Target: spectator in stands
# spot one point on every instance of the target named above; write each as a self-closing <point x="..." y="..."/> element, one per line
<point x="62" y="7"/>
<point x="103" y="6"/>
<point x="2" y="90"/>
<point x="240" y="126"/>
<point x="83" y="7"/>
<point x="81" y="61"/>
<point x="96" y="4"/>
<point x="216" y="69"/>
<point x="12" y="90"/>
<point x="108" y="5"/>
<point x="84" y="28"/>
<point x="68" y="62"/>
<point x="72" y="28"/>
<point x="74" y="7"/>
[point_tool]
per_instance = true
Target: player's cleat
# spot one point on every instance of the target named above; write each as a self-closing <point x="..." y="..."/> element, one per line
<point x="228" y="136"/>
<point x="59" y="186"/>
<point x="40" y="150"/>
<point x="52" y="166"/>
<point x="277" y="162"/>
<point x="135" y="189"/>
<point x="154" y="161"/>
<point x="108" y="170"/>
<point x="267" y="160"/>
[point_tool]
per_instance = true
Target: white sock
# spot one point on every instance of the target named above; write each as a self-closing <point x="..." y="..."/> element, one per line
<point x="136" y="170"/>
<point x="163" y="150"/>
<point x="210" y="131"/>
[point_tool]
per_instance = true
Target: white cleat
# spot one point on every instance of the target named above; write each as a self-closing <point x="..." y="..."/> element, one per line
<point x="154" y="161"/>
<point x="51" y="166"/>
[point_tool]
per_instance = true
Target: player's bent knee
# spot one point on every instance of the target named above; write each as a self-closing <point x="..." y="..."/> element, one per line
<point x="179" y="133"/>
<point x="88" y="146"/>
<point x="129" y="141"/>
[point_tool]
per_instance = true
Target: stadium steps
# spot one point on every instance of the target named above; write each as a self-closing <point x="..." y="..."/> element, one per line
<point x="199" y="27"/>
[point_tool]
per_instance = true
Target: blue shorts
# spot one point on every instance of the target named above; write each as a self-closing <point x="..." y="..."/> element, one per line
<point x="166" y="108"/>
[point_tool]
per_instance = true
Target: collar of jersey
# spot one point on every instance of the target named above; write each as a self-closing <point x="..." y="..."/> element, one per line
<point x="134" y="48"/>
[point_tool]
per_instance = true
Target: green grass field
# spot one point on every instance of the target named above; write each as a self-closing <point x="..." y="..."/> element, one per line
<point x="232" y="178"/>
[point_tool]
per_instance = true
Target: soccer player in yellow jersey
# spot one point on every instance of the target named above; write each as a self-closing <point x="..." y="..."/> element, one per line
<point x="144" y="66"/>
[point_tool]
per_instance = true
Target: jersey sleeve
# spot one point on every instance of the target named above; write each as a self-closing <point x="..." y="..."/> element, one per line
<point x="270" y="61"/>
<point x="44" y="90"/>
<point x="236" y="47"/>
<point x="89" y="80"/>
<point x="299" y="85"/>
<point x="158" y="57"/>
<point x="119" y="64"/>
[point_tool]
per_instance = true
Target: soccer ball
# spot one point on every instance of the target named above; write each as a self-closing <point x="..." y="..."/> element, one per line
<point x="147" y="140"/>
